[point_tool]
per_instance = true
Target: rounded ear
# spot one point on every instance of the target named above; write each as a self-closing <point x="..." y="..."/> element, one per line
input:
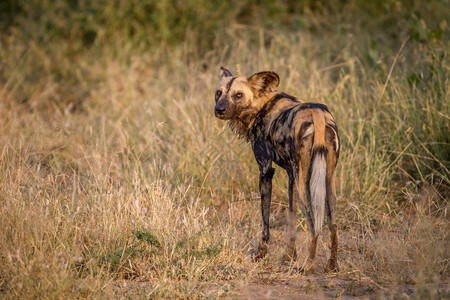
<point x="224" y="73"/>
<point x="264" y="82"/>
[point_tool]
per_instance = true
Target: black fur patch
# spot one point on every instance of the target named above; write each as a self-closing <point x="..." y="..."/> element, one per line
<point x="282" y="95"/>
<point x="270" y="104"/>
<point x="284" y="116"/>
<point x="230" y="83"/>
<point x="314" y="106"/>
<point x="263" y="112"/>
<point x="270" y="172"/>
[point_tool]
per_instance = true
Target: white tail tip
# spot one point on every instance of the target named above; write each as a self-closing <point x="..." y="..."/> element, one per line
<point x="317" y="187"/>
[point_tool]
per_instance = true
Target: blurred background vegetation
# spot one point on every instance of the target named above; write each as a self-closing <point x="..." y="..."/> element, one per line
<point x="59" y="41"/>
<point x="107" y="130"/>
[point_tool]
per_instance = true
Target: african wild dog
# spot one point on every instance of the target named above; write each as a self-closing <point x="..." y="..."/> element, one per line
<point x="302" y="138"/>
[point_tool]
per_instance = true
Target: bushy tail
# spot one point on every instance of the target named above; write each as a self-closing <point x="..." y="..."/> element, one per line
<point x="317" y="172"/>
<point x="317" y="187"/>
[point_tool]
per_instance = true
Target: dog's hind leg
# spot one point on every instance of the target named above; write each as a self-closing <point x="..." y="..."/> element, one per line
<point x="291" y="253"/>
<point x="308" y="266"/>
<point x="332" y="265"/>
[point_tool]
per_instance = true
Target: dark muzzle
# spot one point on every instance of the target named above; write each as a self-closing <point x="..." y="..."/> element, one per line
<point x="219" y="110"/>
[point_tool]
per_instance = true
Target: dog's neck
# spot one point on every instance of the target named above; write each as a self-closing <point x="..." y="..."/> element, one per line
<point x="243" y="124"/>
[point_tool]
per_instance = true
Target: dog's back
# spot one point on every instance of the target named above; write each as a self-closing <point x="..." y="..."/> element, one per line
<point x="288" y="125"/>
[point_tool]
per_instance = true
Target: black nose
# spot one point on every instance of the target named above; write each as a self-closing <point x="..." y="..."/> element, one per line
<point x="220" y="110"/>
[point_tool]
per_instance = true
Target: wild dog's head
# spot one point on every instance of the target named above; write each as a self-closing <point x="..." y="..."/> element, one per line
<point x="239" y="98"/>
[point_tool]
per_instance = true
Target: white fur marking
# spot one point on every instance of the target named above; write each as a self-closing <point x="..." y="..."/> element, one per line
<point x="308" y="131"/>
<point x="336" y="139"/>
<point x="317" y="187"/>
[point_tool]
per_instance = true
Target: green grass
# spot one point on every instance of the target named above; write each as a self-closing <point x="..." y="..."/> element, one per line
<point x="114" y="168"/>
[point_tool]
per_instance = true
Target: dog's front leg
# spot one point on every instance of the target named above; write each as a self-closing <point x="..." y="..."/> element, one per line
<point x="265" y="188"/>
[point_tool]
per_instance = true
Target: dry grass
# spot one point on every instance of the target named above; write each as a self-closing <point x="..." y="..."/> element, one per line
<point x="126" y="177"/>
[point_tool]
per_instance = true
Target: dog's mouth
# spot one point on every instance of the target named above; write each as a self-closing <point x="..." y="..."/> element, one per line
<point x="221" y="115"/>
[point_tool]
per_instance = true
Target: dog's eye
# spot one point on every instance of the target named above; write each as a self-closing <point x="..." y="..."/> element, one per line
<point x="218" y="93"/>
<point x="238" y="95"/>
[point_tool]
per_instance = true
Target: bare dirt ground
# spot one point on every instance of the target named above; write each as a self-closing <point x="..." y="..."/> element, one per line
<point x="320" y="287"/>
<point x="296" y="287"/>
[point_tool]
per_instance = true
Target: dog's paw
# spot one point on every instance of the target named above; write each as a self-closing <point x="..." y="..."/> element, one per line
<point x="260" y="253"/>
<point x="307" y="268"/>
<point x="290" y="256"/>
<point x="332" y="266"/>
